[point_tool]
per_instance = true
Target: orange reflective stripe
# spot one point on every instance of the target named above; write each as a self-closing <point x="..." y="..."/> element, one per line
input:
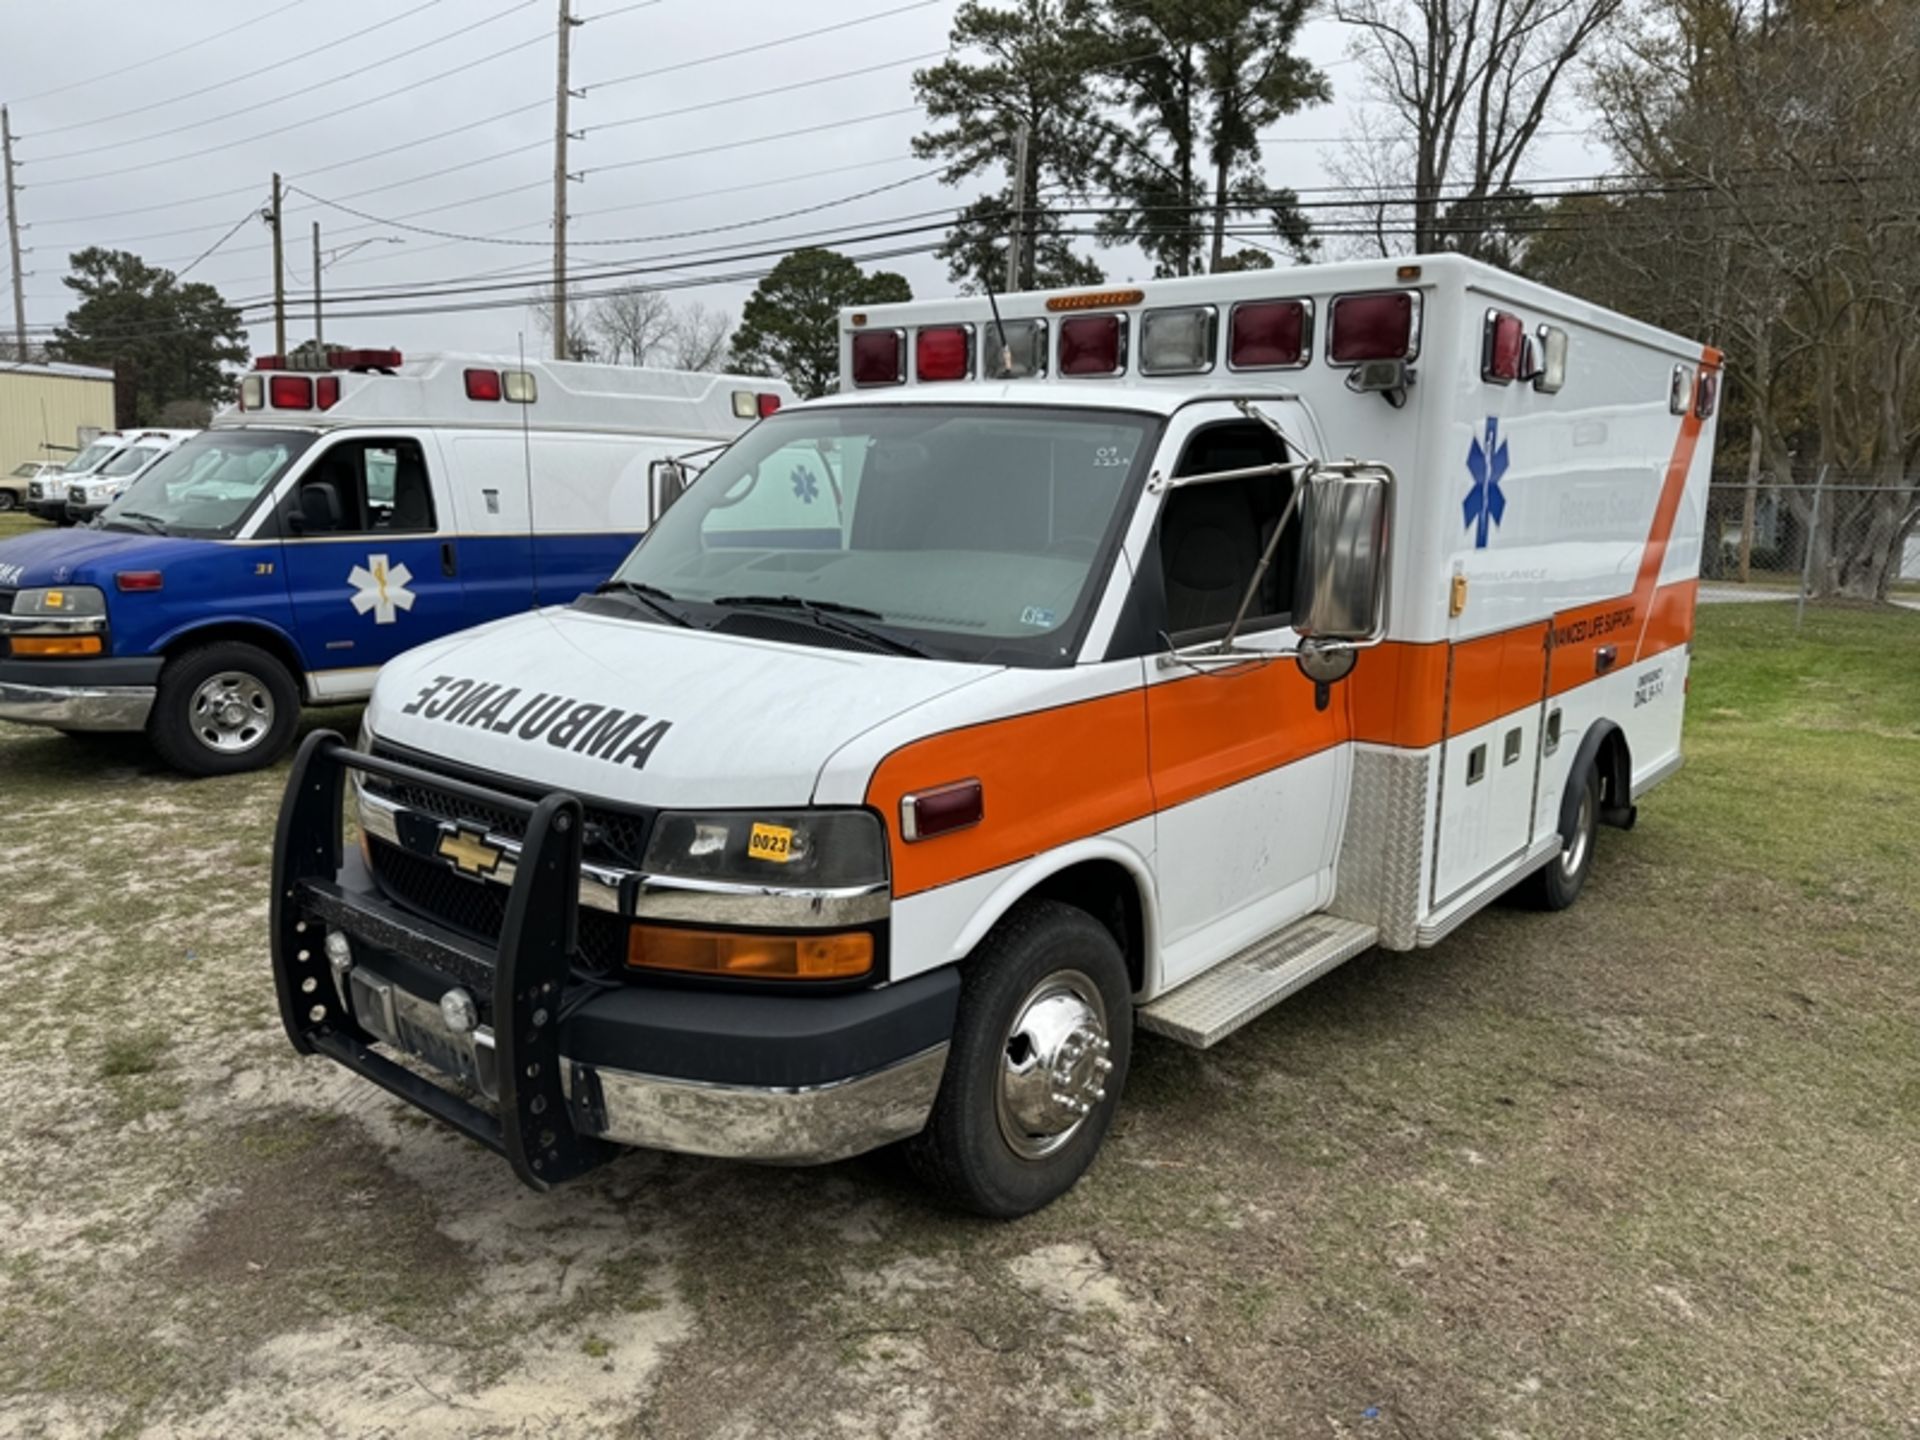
<point x="1047" y="777"/>
<point x="1397" y="694"/>
<point x="1666" y="510"/>
<point x="1215" y="730"/>
<point x="1496" y="675"/>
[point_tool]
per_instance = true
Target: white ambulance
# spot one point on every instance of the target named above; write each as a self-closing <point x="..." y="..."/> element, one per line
<point x="335" y="517"/>
<point x="1124" y="658"/>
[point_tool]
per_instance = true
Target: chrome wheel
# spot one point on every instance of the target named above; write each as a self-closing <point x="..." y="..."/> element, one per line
<point x="1054" y="1064"/>
<point x="231" y="712"/>
<point x="1573" y="857"/>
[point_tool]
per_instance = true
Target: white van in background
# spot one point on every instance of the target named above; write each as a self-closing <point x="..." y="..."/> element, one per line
<point x="87" y="497"/>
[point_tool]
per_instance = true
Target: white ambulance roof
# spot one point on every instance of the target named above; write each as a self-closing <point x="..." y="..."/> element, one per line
<point x="1119" y="393"/>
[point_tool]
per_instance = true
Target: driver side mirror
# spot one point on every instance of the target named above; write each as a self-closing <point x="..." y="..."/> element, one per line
<point x="1345" y="520"/>
<point x="667" y="481"/>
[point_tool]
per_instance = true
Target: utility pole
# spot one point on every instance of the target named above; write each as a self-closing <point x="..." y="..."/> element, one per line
<point x="1017" y="236"/>
<point x="319" y="339"/>
<point x="279" y="273"/>
<point x="561" y="94"/>
<point x="13" y="241"/>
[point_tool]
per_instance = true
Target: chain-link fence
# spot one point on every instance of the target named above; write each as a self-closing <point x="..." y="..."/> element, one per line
<point x="1847" y="539"/>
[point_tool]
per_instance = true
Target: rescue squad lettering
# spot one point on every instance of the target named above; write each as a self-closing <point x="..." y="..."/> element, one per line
<point x="579" y="725"/>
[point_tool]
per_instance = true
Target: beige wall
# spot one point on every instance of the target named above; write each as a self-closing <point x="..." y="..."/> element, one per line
<point x="36" y="408"/>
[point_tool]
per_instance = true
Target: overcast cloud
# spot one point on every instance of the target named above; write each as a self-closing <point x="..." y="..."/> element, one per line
<point x="168" y="181"/>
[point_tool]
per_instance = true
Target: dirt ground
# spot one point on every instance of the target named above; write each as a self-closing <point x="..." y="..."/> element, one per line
<point x="1651" y="1167"/>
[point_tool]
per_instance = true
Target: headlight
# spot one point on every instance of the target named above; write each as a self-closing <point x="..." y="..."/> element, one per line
<point x="61" y="600"/>
<point x="815" y="849"/>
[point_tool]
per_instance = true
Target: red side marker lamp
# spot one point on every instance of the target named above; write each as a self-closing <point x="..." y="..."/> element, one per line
<point x="941" y="810"/>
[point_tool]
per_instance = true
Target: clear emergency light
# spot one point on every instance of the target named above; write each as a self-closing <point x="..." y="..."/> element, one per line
<point x="1179" y="342"/>
<point x="879" y="357"/>
<point x="1269" y="334"/>
<point x="1093" y="344"/>
<point x="1552" y="373"/>
<point x="1015" y="350"/>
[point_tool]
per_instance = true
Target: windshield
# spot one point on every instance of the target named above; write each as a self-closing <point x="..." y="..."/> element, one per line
<point x="26" y="471"/>
<point x="978" y="530"/>
<point x="209" y="483"/>
<point x="90" y="457"/>
<point x="129" y="460"/>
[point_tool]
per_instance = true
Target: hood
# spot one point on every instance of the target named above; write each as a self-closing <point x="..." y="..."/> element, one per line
<point x="643" y="714"/>
<point x="84" y="557"/>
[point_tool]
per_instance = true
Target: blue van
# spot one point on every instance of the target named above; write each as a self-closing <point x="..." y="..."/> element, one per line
<point x="331" y="520"/>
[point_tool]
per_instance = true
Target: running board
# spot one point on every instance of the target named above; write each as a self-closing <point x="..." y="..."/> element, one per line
<point x="1213" y="1005"/>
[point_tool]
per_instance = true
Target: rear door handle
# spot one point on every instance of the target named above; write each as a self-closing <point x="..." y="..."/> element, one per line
<point x="449" y="565"/>
<point x="1603" y="658"/>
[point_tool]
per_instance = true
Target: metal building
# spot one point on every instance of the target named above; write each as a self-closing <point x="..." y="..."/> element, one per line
<point x="48" y="411"/>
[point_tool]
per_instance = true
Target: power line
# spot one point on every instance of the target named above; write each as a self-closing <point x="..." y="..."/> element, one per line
<point x="253" y="213"/>
<point x="331" y="80"/>
<point x="229" y="80"/>
<point x="755" y="49"/>
<point x="96" y="78"/>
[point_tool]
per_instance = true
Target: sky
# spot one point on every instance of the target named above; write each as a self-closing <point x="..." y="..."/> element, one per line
<point x="418" y="134"/>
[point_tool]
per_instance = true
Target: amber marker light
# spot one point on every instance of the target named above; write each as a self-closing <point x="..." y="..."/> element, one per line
<point x="1095" y="300"/>
<point x="764" y="957"/>
<point x="56" y="645"/>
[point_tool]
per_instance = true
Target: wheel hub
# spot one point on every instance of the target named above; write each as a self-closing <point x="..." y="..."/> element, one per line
<point x="1054" y="1064"/>
<point x="232" y="712"/>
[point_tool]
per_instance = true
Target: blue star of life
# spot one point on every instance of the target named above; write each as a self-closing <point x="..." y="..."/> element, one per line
<point x="1487" y="463"/>
<point x="804" y="485"/>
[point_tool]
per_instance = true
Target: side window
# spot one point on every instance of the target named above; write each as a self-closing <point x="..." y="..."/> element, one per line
<point x="365" y="487"/>
<point x="1211" y="536"/>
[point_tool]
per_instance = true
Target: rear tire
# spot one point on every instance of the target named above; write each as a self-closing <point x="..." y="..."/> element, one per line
<point x="223" y="709"/>
<point x="8" y="501"/>
<point x="1558" y="884"/>
<point x="1045" y="1028"/>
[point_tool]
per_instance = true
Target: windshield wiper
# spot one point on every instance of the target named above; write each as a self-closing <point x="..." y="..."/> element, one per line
<point x="831" y="615"/>
<point x="151" y="524"/>
<point x="651" y="596"/>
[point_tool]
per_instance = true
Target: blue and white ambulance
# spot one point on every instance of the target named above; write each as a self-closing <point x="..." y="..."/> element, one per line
<point x="332" y="519"/>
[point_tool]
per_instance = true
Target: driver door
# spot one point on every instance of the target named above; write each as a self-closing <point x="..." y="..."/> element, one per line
<point x="1248" y="760"/>
<point x="372" y="565"/>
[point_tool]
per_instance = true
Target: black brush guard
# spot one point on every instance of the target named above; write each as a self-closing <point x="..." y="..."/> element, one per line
<point x="527" y="975"/>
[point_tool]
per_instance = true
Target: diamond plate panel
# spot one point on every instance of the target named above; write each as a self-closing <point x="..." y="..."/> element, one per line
<point x="1381" y="850"/>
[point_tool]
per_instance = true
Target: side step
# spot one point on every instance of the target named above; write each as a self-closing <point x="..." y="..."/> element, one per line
<point x="1213" y="1005"/>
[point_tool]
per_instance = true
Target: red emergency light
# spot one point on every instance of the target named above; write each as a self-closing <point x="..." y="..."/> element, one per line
<point x="1093" y="345"/>
<point x="1503" y="347"/>
<point x="1269" y="335"/>
<point x="365" y="359"/>
<point x="1706" y="394"/>
<point x="769" y="403"/>
<point x="269" y="362"/>
<point x="1372" y="327"/>
<point x="483" y="384"/>
<point x="879" y="357"/>
<point x="943" y="352"/>
<point x="326" y="391"/>
<point x="290" y="392"/>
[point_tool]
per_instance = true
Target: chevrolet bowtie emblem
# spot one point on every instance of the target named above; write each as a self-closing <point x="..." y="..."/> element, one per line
<point x="469" y="852"/>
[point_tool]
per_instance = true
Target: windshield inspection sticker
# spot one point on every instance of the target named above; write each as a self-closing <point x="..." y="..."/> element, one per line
<point x="583" y="727"/>
<point x="1037" y="616"/>
<point x="381" y="588"/>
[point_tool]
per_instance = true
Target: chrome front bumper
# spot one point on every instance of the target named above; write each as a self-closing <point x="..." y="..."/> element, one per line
<point x="811" y="1125"/>
<point x="77" y="707"/>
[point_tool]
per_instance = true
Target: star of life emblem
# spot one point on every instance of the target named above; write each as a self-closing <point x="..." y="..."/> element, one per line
<point x="381" y="588"/>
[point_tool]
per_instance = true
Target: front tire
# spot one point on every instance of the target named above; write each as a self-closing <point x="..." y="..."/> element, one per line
<point x="1558" y="884"/>
<point x="1038" y="1060"/>
<point x="8" y="500"/>
<point x="223" y="709"/>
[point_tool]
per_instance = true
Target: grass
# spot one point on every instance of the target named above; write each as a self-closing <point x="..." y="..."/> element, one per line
<point x="1646" y="1168"/>
<point x="18" y="522"/>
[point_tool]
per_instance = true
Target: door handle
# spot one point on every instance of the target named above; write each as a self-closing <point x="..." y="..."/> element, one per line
<point x="1604" y="658"/>
<point x="449" y="566"/>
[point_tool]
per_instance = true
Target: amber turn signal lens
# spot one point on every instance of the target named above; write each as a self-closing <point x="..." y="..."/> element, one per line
<point x="771" y="957"/>
<point x="56" y="644"/>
